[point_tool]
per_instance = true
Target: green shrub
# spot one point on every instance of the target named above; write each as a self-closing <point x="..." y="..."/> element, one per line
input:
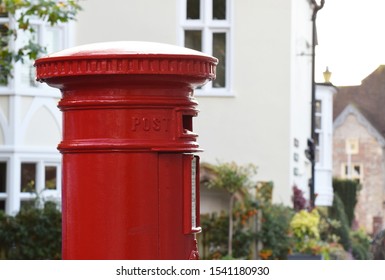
<point x="241" y="243"/>
<point x="275" y="231"/>
<point x="360" y="245"/>
<point x="33" y="233"/>
<point x="337" y="212"/>
<point x="214" y="238"/>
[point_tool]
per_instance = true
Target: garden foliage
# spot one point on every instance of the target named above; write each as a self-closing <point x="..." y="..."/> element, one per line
<point x="23" y="12"/>
<point x="33" y="234"/>
<point x="274" y="230"/>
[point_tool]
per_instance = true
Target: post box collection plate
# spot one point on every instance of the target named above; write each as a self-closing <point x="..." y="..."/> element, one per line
<point x="191" y="194"/>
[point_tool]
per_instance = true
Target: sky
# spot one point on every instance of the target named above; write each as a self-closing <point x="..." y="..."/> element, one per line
<point x="351" y="40"/>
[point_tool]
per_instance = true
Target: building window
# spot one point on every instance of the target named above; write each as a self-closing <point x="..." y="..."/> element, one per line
<point x="28" y="177"/>
<point x="50" y="173"/>
<point x="318" y="114"/>
<point x="3" y="185"/>
<point x="3" y="177"/>
<point x="193" y="9"/>
<point x="27" y="70"/>
<point x="206" y="28"/>
<point x="51" y="37"/>
<point x="39" y="180"/>
<point x="352" y="146"/>
<point x="352" y="171"/>
<point x="296" y="157"/>
<point x="219" y="9"/>
<point x="296" y="142"/>
<point x="318" y="129"/>
<point x="296" y="171"/>
<point x="31" y="171"/>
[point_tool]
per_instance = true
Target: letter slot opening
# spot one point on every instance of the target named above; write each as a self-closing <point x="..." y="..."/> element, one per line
<point x="187" y="123"/>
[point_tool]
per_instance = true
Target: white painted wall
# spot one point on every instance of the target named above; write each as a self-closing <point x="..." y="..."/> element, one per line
<point x="253" y="125"/>
<point x="42" y="124"/>
<point x="300" y="92"/>
<point x="128" y="20"/>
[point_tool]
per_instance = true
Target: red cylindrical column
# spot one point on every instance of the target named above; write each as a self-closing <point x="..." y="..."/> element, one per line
<point x="130" y="173"/>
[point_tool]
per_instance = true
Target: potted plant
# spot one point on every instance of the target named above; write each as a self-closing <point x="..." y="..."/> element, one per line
<point x="307" y="243"/>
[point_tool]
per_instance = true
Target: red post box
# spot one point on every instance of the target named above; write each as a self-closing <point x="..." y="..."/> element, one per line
<point x="130" y="173"/>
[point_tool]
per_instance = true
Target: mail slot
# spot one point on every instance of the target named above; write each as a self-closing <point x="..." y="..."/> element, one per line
<point x="130" y="164"/>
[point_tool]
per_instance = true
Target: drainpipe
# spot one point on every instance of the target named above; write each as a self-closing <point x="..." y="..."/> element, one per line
<point x="316" y="8"/>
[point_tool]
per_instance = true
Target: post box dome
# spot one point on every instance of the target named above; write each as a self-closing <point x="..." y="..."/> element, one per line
<point x="126" y="48"/>
<point x="126" y="57"/>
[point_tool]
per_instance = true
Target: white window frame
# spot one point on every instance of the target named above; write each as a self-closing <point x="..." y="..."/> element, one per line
<point x="40" y="189"/>
<point x="208" y="26"/>
<point x="58" y="178"/>
<point x="352" y="146"/>
<point x="319" y="131"/>
<point x="40" y="88"/>
<point x="352" y="176"/>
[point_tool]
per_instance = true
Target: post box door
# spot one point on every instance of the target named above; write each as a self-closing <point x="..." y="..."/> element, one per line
<point x="178" y="204"/>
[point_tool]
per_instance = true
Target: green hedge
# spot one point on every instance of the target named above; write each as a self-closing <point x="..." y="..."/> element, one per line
<point x="32" y="234"/>
<point x="347" y="191"/>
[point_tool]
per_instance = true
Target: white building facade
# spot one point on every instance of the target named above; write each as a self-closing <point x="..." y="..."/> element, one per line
<point x="30" y="126"/>
<point x="257" y="111"/>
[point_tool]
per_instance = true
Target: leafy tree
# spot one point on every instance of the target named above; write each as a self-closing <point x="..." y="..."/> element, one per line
<point x="20" y="12"/>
